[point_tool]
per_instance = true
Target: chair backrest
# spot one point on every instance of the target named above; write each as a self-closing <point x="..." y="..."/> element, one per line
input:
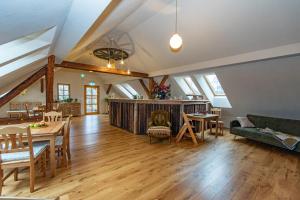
<point x="66" y="140"/>
<point x="41" y="107"/>
<point x="216" y="111"/>
<point x="186" y="119"/>
<point x="15" y="106"/>
<point x="52" y="116"/>
<point x="67" y="126"/>
<point x="12" y="140"/>
<point x="160" y="118"/>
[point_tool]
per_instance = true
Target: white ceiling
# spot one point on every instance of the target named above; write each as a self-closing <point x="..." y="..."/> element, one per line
<point x="215" y="33"/>
<point x="211" y="30"/>
<point x="19" y="18"/>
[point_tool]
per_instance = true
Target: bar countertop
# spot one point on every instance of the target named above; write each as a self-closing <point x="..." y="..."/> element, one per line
<point x="158" y="101"/>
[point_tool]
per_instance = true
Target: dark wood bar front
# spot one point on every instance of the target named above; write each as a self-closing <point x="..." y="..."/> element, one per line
<point x="133" y="115"/>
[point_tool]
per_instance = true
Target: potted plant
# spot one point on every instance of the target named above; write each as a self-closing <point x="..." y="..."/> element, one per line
<point x="161" y="91"/>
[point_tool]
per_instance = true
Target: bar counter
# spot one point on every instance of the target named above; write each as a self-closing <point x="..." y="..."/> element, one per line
<point x="133" y="115"/>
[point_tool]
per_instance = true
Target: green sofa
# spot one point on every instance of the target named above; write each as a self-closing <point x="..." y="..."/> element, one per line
<point x="288" y="126"/>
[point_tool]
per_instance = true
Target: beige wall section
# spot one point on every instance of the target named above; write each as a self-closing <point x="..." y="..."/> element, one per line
<point x="71" y="77"/>
<point x="33" y="93"/>
<point x="77" y="83"/>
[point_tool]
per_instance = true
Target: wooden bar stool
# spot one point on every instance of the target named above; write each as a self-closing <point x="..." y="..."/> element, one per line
<point x="217" y="111"/>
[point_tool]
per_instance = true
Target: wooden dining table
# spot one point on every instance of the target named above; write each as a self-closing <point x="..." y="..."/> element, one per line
<point x="48" y="133"/>
<point x="203" y="118"/>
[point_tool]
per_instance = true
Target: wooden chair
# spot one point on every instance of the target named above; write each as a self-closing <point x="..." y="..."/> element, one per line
<point x="62" y="142"/>
<point x="186" y="126"/>
<point x="30" y="113"/>
<point x="52" y="116"/>
<point x="14" y="154"/>
<point x="217" y="111"/>
<point x="159" y="126"/>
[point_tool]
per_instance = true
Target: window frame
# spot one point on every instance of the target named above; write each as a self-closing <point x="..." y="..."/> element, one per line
<point x="69" y="88"/>
<point x="191" y="88"/>
<point x="125" y="85"/>
<point x="121" y="88"/>
<point x="212" y="88"/>
<point x="189" y="95"/>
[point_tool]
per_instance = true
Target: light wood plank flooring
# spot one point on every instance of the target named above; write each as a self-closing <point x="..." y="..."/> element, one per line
<point x="108" y="163"/>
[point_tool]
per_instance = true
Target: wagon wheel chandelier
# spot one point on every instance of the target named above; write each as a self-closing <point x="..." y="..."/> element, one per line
<point x="110" y="53"/>
<point x="114" y="47"/>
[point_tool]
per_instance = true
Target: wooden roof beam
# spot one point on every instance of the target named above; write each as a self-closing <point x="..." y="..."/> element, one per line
<point x="145" y="88"/>
<point x="22" y="86"/>
<point x="100" y="69"/>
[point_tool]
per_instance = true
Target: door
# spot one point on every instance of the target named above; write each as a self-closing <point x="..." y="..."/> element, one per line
<point x="91" y="99"/>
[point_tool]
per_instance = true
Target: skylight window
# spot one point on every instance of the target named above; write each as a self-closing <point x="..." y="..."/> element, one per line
<point x="188" y="86"/>
<point x="25" y="51"/>
<point x="127" y="90"/>
<point x="192" y="85"/>
<point x="20" y="63"/>
<point x="2" y="95"/>
<point x="214" y="85"/>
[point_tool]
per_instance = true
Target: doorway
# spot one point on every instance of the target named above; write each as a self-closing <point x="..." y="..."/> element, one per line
<point x="91" y="99"/>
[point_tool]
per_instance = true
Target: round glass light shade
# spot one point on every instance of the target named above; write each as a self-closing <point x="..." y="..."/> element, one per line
<point x="122" y="62"/>
<point x="108" y="65"/>
<point x="175" y="42"/>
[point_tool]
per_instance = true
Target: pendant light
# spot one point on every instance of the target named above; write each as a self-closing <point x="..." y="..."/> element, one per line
<point x="175" y="40"/>
<point x="122" y="60"/>
<point x="109" y="64"/>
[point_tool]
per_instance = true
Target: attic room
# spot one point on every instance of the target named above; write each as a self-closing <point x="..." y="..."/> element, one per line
<point x="149" y="99"/>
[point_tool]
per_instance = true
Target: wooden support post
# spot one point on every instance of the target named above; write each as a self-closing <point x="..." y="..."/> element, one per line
<point x="164" y="79"/>
<point x="49" y="82"/>
<point x="151" y="87"/>
<point x="145" y="88"/>
<point x="42" y="85"/>
<point x="108" y="89"/>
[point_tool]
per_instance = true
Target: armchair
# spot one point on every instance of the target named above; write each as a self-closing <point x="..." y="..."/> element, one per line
<point x="159" y="125"/>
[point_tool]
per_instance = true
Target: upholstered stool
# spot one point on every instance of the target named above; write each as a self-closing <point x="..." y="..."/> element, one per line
<point x="159" y="132"/>
<point x="159" y="125"/>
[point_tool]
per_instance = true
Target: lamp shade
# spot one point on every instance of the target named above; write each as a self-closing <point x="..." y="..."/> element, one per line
<point x="175" y="42"/>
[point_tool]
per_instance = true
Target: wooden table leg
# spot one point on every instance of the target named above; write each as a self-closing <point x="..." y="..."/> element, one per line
<point x="217" y="127"/>
<point x="52" y="156"/>
<point x="202" y="129"/>
<point x="64" y="156"/>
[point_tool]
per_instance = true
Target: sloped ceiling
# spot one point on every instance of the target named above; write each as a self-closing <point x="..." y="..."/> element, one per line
<point x="37" y="29"/>
<point x="19" y="18"/>
<point x="213" y="32"/>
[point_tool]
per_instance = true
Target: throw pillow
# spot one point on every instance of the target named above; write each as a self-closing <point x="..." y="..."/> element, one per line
<point x="245" y="123"/>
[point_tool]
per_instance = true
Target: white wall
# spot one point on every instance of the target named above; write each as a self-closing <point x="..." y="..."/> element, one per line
<point x="71" y="77"/>
<point x="269" y="87"/>
<point x="32" y="94"/>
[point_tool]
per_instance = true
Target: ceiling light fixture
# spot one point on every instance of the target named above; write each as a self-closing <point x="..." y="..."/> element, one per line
<point x="122" y="60"/>
<point x="175" y="40"/>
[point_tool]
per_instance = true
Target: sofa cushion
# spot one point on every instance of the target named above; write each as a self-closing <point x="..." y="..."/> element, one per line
<point x="278" y="124"/>
<point x="255" y="134"/>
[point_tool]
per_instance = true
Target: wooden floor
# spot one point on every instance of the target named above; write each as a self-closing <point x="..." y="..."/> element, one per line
<point x="108" y="163"/>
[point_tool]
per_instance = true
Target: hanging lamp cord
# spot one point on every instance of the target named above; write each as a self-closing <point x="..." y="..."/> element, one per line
<point x="176" y="19"/>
